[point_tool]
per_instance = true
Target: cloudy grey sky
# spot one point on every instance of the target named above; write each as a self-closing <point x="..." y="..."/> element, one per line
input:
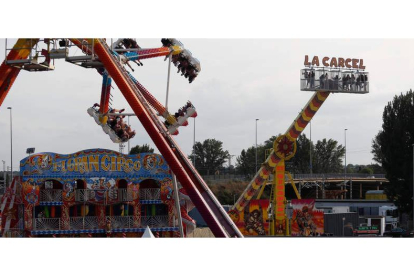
<point x="241" y="80"/>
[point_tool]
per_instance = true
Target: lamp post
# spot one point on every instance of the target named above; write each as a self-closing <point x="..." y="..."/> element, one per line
<point x="345" y="155"/>
<point x="310" y="147"/>
<point x="4" y="170"/>
<point x="194" y="144"/>
<point x="343" y="226"/>
<point x="4" y="177"/>
<point x="345" y="163"/>
<point x="168" y="82"/>
<point x="11" y="144"/>
<point x="129" y="145"/>
<point x="256" y="143"/>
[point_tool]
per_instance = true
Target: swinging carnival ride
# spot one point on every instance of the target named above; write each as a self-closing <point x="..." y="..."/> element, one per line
<point x="339" y="76"/>
<point x="111" y="61"/>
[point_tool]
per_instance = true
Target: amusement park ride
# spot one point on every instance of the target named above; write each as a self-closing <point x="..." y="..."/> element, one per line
<point x="340" y="76"/>
<point x="111" y="61"/>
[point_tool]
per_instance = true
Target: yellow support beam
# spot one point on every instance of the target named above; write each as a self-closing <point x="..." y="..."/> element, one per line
<point x="293" y="185"/>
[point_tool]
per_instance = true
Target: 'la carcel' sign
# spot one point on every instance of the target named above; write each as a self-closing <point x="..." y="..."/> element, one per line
<point x="353" y="63"/>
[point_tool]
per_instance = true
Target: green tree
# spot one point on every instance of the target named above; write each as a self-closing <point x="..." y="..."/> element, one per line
<point x="392" y="148"/>
<point x="268" y="144"/>
<point x="141" y="149"/>
<point x="301" y="160"/>
<point x="328" y="156"/>
<point x="351" y="168"/>
<point x="209" y="156"/>
<point x="376" y="169"/>
<point x="366" y="170"/>
<point x="246" y="161"/>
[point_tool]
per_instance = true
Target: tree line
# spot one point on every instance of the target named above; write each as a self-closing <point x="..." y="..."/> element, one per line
<point x="210" y="157"/>
<point x="327" y="154"/>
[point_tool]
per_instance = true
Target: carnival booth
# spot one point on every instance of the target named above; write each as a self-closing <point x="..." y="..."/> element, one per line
<point x="96" y="192"/>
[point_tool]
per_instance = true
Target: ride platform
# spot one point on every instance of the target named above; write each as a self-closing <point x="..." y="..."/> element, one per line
<point x="335" y="80"/>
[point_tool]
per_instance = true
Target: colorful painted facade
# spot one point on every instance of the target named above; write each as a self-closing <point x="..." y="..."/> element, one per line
<point x="306" y="219"/>
<point x="253" y="221"/>
<point x="94" y="192"/>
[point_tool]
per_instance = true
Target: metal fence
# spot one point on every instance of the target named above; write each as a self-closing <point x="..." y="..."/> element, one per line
<point x="51" y="195"/>
<point x="150" y="194"/>
<point x="337" y="175"/>
<point x="334" y="85"/>
<point x="118" y="222"/>
<point x="92" y="222"/>
<point x="154" y="221"/>
<point x="47" y="224"/>
<point x="237" y="177"/>
<point x="225" y="177"/>
<point x="103" y="195"/>
<point x="81" y="223"/>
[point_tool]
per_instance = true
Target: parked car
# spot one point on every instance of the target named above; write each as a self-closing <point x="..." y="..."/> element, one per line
<point x="399" y="232"/>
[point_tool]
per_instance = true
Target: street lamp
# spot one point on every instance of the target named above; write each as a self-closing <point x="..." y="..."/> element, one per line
<point x="194" y="144"/>
<point x="345" y="155"/>
<point x="4" y="177"/>
<point x="11" y="144"/>
<point x="345" y="165"/>
<point x="129" y="145"/>
<point x="256" y="143"/>
<point x="310" y="147"/>
<point x="343" y="226"/>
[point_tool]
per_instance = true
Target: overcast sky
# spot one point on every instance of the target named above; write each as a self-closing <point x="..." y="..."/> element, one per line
<point x="241" y="80"/>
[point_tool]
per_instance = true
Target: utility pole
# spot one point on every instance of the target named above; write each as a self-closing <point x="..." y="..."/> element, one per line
<point x="3" y="185"/>
<point x="343" y="227"/>
<point x="168" y="82"/>
<point x="310" y="147"/>
<point x="256" y="144"/>
<point x="194" y="145"/>
<point x="8" y="168"/>
<point x="129" y="146"/>
<point x="345" y="163"/>
<point x="345" y="154"/>
<point x="11" y="144"/>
